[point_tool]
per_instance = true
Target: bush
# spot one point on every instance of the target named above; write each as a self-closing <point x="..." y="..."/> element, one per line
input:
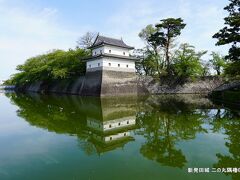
<point x="57" y="64"/>
<point x="232" y="70"/>
<point x="187" y="62"/>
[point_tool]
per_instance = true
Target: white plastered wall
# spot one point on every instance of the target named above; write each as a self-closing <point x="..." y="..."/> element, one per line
<point x="97" y="51"/>
<point x="110" y="125"/>
<point x="116" y="50"/>
<point x="107" y="63"/>
<point x="110" y="50"/>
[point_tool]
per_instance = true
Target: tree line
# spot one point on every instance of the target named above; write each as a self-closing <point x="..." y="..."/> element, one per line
<point x="161" y="56"/>
<point x="54" y="65"/>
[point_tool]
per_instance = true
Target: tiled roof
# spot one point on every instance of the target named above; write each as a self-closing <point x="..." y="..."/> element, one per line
<point x="111" y="56"/>
<point x="102" y="40"/>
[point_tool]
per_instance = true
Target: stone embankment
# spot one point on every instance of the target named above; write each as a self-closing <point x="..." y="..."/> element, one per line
<point x="176" y="86"/>
<point x="108" y="83"/>
<point x="227" y="93"/>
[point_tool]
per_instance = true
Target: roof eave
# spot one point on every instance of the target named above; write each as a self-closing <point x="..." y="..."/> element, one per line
<point x="102" y="44"/>
<point x="111" y="56"/>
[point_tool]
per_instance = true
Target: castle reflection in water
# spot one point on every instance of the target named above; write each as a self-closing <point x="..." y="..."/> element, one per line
<point x="160" y="126"/>
<point x="106" y="123"/>
<point x="111" y="126"/>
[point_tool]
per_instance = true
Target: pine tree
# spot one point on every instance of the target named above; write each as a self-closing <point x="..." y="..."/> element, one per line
<point x="230" y="34"/>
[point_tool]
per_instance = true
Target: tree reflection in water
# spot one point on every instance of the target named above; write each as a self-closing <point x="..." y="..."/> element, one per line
<point x="228" y="121"/>
<point x="164" y="124"/>
<point x="102" y="125"/>
<point x="71" y="115"/>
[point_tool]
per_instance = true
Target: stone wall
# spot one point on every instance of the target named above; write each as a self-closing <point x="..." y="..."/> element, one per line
<point x="235" y="85"/>
<point x="227" y="94"/>
<point x="96" y="83"/>
<point x="118" y="83"/>
<point x="176" y="86"/>
<point x="115" y="83"/>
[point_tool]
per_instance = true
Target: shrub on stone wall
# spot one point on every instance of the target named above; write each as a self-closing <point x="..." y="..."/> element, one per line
<point x="54" y="65"/>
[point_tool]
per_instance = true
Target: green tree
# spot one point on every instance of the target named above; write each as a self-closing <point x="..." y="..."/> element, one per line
<point x="57" y="64"/>
<point x="205" y="69"/>
<point x="145" y="35"/>
<point x="147" y="62"/>
<point x="217" y="62"/>
<point x="232" y="70"/>
<point x="167" y="30"/>
<point x="187" y="62"/>
<point x="230" y="34"/>
<point x="152" y="57"/>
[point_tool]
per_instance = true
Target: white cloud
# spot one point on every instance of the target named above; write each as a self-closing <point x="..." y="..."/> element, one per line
<point x="203" y="20"/>
<point x="25" y="33"/>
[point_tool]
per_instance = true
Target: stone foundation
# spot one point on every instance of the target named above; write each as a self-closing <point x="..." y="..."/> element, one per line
<point x="94" y="83"/>
<point x="116" y="83"/>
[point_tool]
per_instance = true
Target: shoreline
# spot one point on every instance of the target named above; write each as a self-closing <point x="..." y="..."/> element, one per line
<point x="114" y="85"/>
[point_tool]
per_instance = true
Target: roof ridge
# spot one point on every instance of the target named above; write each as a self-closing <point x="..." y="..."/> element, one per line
<point x="111" y="38"/>
<point x="111" y="41"/>
<point x="96" y="38"/>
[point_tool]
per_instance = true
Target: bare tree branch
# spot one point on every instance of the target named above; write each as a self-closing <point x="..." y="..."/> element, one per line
<point x="86" y="40"/>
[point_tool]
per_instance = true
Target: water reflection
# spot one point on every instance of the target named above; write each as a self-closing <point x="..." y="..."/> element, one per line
<point x="229" y="123"/>
<point x="103" y="125"/>
<point x="109" y="127"/>
<point x="173" y="120"/>
<point x="100" y="124"/>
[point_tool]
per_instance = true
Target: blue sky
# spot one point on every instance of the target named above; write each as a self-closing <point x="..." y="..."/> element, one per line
<point x="32" y="27"/>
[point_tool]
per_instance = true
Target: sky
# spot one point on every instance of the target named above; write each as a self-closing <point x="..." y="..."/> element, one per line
<point x="31" y="27"/>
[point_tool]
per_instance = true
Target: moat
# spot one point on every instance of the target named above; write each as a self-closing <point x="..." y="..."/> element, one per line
<point x="154" y="137"/>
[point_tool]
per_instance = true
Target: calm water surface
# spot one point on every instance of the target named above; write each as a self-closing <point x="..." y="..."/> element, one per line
<point x="156" y="137"/>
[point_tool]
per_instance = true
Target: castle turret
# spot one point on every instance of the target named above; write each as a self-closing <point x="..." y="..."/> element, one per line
<point x="110" y="54"/>
<point x="110" y="70"/>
